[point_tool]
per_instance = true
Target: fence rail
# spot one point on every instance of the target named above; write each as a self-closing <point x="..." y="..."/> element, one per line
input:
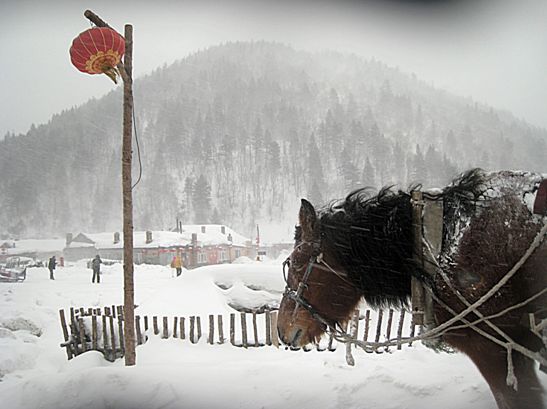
<point x="102" y="329"/>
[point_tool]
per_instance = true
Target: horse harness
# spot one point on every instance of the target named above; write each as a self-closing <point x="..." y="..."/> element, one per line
<point x="315" y="260"/>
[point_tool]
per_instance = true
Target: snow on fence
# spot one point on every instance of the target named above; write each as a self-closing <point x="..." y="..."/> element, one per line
<point x="86" y="329"/>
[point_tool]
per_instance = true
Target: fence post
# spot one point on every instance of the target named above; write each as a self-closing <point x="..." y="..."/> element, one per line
<point x="192" y="321"/>
<point x="273" y="327"/>
<point x="268" y="318"/>
<point x="138" y="329"/>
<point x="165" y="328"/>
<point x="379" y="326"/>
<point x="105" y="336"/>
<point x="82" y="334"/>
<point x="155" y="324"/>
<point x="389" y="322"/>
<point x="354" y="327"/>
<point x="113" y="337"/>
<point x="255" y="329"/>
<point x="400" y="328"/>
<point x="121" y="334"/>
<point x="198" y="326"/>
<point x="175" y="327"/>
<point x="94" y="332"/>
<point x="210" y="338"/>
<point x="367" y="325"/>
<point x="65" y="333"/>
<point x="182" y="332"/>
<point x="146" y="322"/>
<point x="244" y="330"/>
<point x="220" y="330"/>
<point x="233" y="329"/>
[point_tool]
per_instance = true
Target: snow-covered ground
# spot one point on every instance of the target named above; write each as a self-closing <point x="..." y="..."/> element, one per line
<point x="35" y="373"/>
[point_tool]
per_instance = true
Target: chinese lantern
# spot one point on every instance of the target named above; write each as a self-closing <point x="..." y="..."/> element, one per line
<point x="98" y="51"/>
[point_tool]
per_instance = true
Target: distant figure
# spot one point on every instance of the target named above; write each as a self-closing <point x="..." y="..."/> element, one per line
<point x="51" y="266"/>
<point x="176" y="263"/>
<point x="96" y="265"/>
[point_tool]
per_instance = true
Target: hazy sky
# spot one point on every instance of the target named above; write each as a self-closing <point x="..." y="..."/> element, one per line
<point x="492" y="50"/>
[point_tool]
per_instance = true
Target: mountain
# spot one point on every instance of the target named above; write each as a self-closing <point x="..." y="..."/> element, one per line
<point x="237" y="133"/>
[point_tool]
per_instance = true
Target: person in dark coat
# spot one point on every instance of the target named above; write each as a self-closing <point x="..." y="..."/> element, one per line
<point x="96" y="265"/>
<point x="51" y="266"/>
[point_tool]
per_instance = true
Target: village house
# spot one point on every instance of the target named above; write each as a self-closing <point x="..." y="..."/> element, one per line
<point x="198" y="245"/>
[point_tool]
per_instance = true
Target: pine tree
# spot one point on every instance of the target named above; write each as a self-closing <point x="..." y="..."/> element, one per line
<point x="201" y="200"/>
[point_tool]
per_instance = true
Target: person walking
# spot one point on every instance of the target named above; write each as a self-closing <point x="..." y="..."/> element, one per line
<point x="51" y="266"/>
<point x="176" y="263"/>
<point x="96" y="265"/>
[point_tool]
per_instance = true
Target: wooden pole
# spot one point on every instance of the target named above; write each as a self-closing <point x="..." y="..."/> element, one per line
<point x="220" y="330"/>
<point x="125" y="71"/>
<point x="255" y="329"/>
<point x="165" y="334"/>
<point x="65" y="332"/>
<point x="211" y="337"/>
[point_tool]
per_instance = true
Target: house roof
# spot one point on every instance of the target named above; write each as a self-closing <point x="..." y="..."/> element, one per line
<point x="23" y="246"/>
<point x="213" y="236"/>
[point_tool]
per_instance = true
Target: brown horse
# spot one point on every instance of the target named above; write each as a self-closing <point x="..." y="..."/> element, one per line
<point x="362" y="247"/>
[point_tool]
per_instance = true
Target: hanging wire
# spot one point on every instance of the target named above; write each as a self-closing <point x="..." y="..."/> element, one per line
<point x="138" y="146"/>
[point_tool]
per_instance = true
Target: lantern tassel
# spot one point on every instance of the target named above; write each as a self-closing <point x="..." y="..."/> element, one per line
<point x="112" y="73"/>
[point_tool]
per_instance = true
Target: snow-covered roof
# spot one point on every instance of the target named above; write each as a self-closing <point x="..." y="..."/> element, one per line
<point x="35" y="246"/>
<point x="213" y="236"/>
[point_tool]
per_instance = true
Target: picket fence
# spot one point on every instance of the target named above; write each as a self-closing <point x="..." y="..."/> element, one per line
<point x="102" y="329"/>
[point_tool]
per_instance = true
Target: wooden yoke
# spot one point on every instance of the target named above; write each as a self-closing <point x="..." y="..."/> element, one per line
<point x="427" y="220"/>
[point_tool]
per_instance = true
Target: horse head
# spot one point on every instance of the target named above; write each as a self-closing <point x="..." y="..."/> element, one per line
<point x="318" y="292"/>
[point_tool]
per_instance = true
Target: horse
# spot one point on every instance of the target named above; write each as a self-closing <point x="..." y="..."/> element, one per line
<point x="362" y="247"/>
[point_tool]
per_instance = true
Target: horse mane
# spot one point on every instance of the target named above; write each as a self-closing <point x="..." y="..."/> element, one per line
<point x="371" y="235"/>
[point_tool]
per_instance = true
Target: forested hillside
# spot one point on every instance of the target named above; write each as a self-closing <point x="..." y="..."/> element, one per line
<point x="237" y="133"/>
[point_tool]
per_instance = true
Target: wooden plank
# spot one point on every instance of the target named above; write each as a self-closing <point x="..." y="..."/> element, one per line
<point x="82" y="334"/>
<point x="94" y="332"/>
<point x="400" y="328"/>
<point x="119" y="309"/>
<point x="138" y="329"/>
<point x="107" y="311"/>
<point x="155" y="325"/>
<point x="379" y="326"/>
<point x="389" y="322"/>
<point x="105" y="336"/>
<point x="65" y="333"/>
<point x="198" y="327"/>
<point x="268" y="318"/>
<point x="182" y="332"/>
<point x="210" y="338"/>
<point x="244" y="330"/>
<point x="367" y="325"/>
<point x="255" y="329"/>
<point x="113" y="311"/>
<point x="112" y="337"/>
<point x="165" y="334"/>
<point x="275" y="337"/>
<point x="146" y="322"/>
<point x="175" y="327"/>
<point x="192" y="324"/>
<point x="354" y="327"/>
<point x="416" y="287"/>
<point x="220" y="330"/>
<point x="121" y="334"/>
<point x="232" y="329"/>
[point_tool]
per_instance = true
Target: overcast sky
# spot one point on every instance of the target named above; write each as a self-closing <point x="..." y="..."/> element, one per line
<point x="492" y="50"/>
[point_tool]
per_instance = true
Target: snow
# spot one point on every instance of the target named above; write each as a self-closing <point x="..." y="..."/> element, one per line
<point x="172" y="373"/>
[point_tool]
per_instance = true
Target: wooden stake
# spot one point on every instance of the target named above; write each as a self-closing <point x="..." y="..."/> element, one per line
<point x="379" y="326"/>
<point x="400" y="329"/>
<point x="182" y="333"/>
<point x="155" y="325"/>
<point x="220" y="330"/>
<point x="138" y="329"/>
<point x="367" y="325"/>
<point x="198" y="325"/>
<point x="232" y="329"/>
<point x="389" y="322"/>
<point x="82" y="334"/>
<point x="94" y="332"/>
<point x="255" y="329"/>
<point x="275" y="338"/>
<point x="165" y="328"/>
<point x="121" y="334"/>
<point x="210" y="338"/>
<point x="268" y="318"/>
<point x="175" y="327"/>
<point x="105" y="336"/>
<point x="244" y="330"/>
<point x="65" y="333"/>
<point x="112" y="337"/>
<point x="192" y="323"/>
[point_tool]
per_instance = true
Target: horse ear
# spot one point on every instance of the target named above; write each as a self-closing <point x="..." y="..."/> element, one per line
<point x="307" y="218"/>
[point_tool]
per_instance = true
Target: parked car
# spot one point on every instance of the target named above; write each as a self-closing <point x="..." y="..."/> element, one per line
<point x="15" y="269"/>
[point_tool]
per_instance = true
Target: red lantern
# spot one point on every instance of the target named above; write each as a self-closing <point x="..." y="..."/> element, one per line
<point x="98" y="51"/>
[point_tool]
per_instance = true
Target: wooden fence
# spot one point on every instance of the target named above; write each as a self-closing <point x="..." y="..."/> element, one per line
<point x="86" y="329"/>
